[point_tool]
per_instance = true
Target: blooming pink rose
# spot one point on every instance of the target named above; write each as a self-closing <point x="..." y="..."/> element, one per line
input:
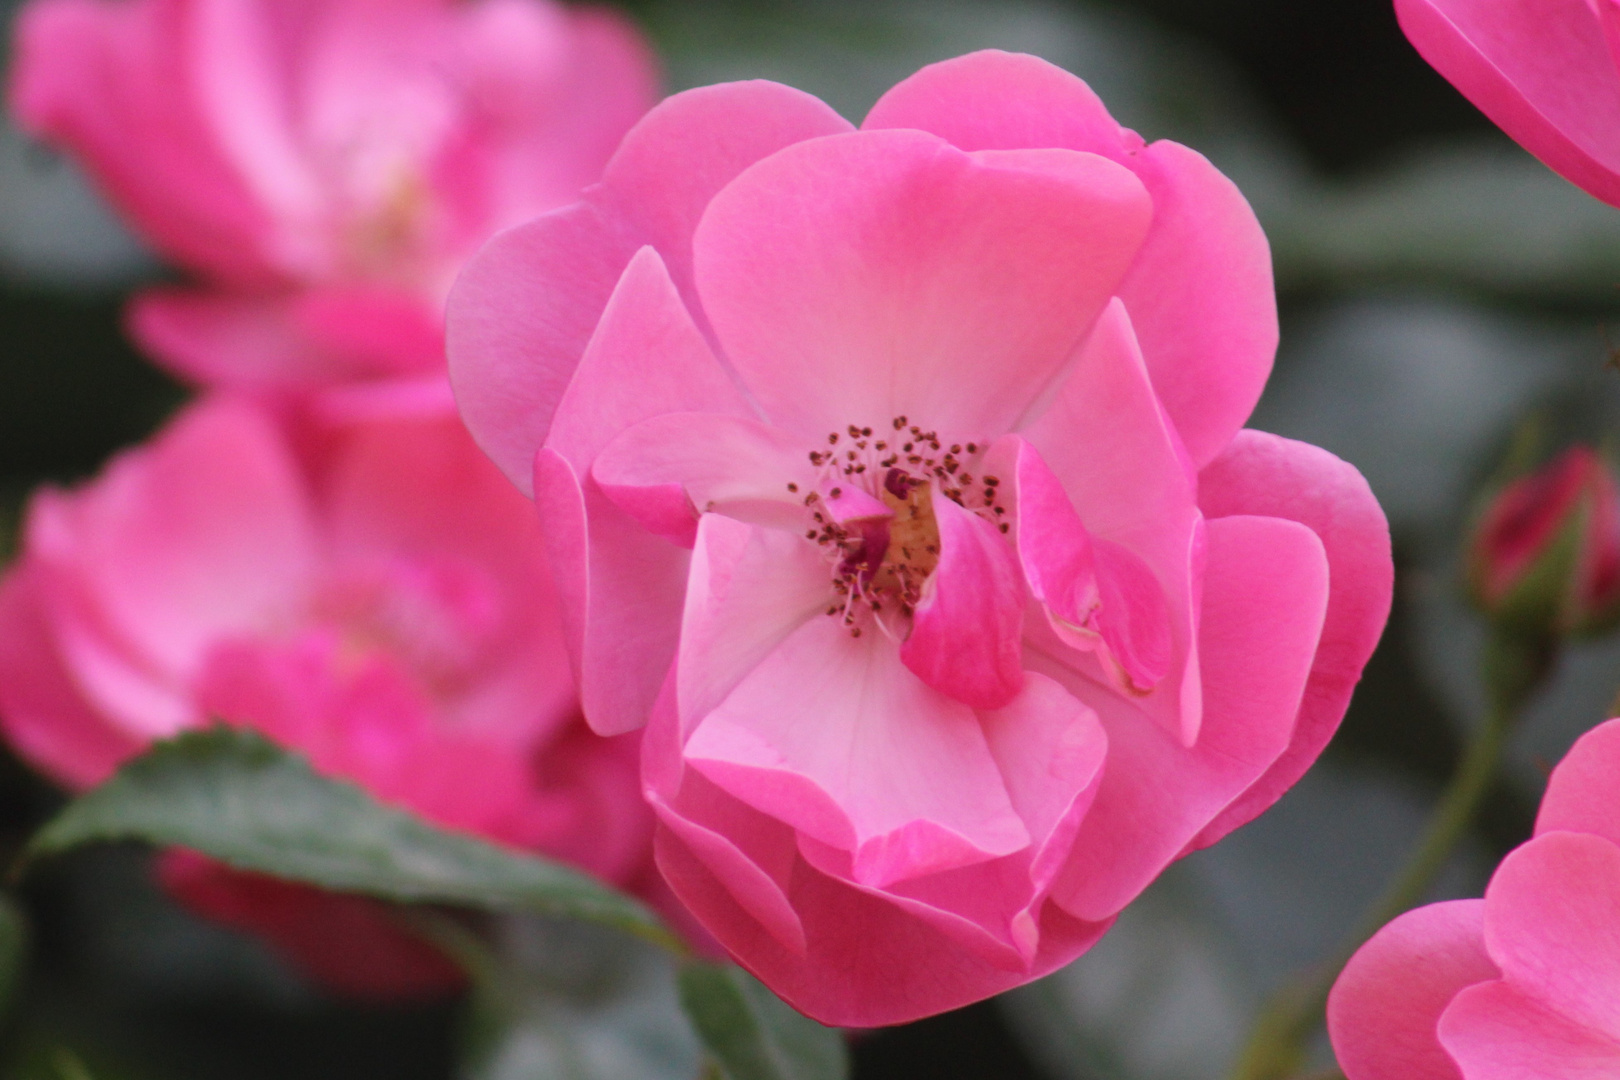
<point x="1543" y="70"/>
<point x="896" y="475"/>
<point x="1522" y="985"/>
<point x="323" y="166"/>
<point x="378" y="600"/>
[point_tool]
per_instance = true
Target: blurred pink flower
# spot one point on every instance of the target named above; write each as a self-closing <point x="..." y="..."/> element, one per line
<point x="373" y="595"/>
<point x="897" y="475"/>
<point x="323" y="167"/>
<point x="1522" y="985"/>
<point x="1545" y="556"/>
<point x="1543" y="70"/>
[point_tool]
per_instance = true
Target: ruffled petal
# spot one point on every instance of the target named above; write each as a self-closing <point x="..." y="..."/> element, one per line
<point x="1496" y="1032"/>
<point x="1581" y="794"/>
<point x="858" y="278"/>
<point x="1277" y="477"/>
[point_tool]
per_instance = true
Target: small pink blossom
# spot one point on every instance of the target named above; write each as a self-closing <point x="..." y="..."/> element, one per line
<point x="1545" y="555"/>
<point x="896" y="475"/>
<point x="323" y="168"/>
<point x="373" y="595"/>
<point x="1522" y="985"/>
<point x="1543" y="70"/>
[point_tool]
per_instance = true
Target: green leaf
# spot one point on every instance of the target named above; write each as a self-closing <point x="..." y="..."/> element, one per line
<point x="752" y="1034"/>
<point x="231" y="794"/>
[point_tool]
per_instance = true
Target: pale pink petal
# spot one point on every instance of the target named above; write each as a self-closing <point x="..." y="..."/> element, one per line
<point x="832" y="735"/>
<point x="44" y="714"/>
<point x="109" y="83"/>
<point x="749" y="588"/>
<point x="1106" y="438"/>
<point x="1552" y="924"/>
<point x="668" y="469"/>
<point x="1385" y="1007"/>
<point x="858" y="278"/>
<point x="966" y="636"/>
<point x="1266" y="474"/>
<point x="1495" y="1032"/>
<point x="1581" y="794"/>
<point x="524" y="308"/>
<point x="1540" y="68"/>
<point x="278" y="341"/>
<point x="620" y="589"/>
<point x="1265" y="594"/>
<point x="994" y="100"/>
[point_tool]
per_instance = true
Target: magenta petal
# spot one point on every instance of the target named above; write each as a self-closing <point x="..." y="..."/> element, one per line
<point x="1581" y="794"/>
<point x="994" y="100"/>
<point x="832" y="735"/>
<point x="1552" y="924"/>
<point x="668" y="469"/>
<point x="1540" y="68"/>
<point x="1264" y="596"/>
<point x="967" y="635"/>
<point x="1494" y="1031"/>
<point x="1266" y="474"/>
<point x="1202" y="298"/>
<point x="1384" y="1009"/>
<point x="856" y="278"/>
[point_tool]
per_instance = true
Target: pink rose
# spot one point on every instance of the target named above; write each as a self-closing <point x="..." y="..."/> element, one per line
<point x="1543" y="70"/>
<point x="1522" y="985"/>
<point x="323" y="168"/>
<point x="1545" y="555"/>
<point x="374" y="595"/>
<point x="897" y="476"/>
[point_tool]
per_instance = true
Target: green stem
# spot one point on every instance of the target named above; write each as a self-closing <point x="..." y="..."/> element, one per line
<point x="1514" y="667"/>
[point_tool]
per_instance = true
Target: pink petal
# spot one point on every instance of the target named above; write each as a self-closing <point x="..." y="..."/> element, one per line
<point x="1581" y="794"/>
<point x="833" y="736"/>
<point x="748" y="590"/>
<point x="994" y="100"/>
<point x="620" y="590"/>
<point x="286" y="340"/>
<point x="858" y="278"/>
<point x="1132" y="485"/>
<point x="1265" y="593"/>
<point x="967" y="635"/>
<point x="1552" y="924"/>
<point x="1277" y="477"/>
<point x="206" y="531"/>
<point x="1200" y="290"/>
<point x="45" y="716"/>
<point x="1540" y="68"/>
<point x="615" y="385"/>
<point x="1386" y="1004"/>
<point x="1202" y="298"/>
<point x="109" y="83"/>
<point x="668" y="469"/>
<point x="523" y="309"/>
<point x="1496" y="1032"/>
<point x="1096" y="595"/>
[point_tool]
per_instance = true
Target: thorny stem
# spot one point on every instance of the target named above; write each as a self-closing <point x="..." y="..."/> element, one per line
<point x="1514" y="668"/>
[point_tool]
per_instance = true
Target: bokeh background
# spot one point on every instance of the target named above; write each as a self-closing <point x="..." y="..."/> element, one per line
<point x="1440" y="291"/>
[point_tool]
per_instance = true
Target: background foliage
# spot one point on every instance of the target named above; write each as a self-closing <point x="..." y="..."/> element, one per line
<point x="1437" y="287"/>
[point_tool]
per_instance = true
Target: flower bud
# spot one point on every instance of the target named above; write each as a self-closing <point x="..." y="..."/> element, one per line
<point x="1544" y="558"/>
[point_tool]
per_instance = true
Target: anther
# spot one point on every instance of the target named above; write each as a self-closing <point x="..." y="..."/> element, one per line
<point x="793" y="488"/>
